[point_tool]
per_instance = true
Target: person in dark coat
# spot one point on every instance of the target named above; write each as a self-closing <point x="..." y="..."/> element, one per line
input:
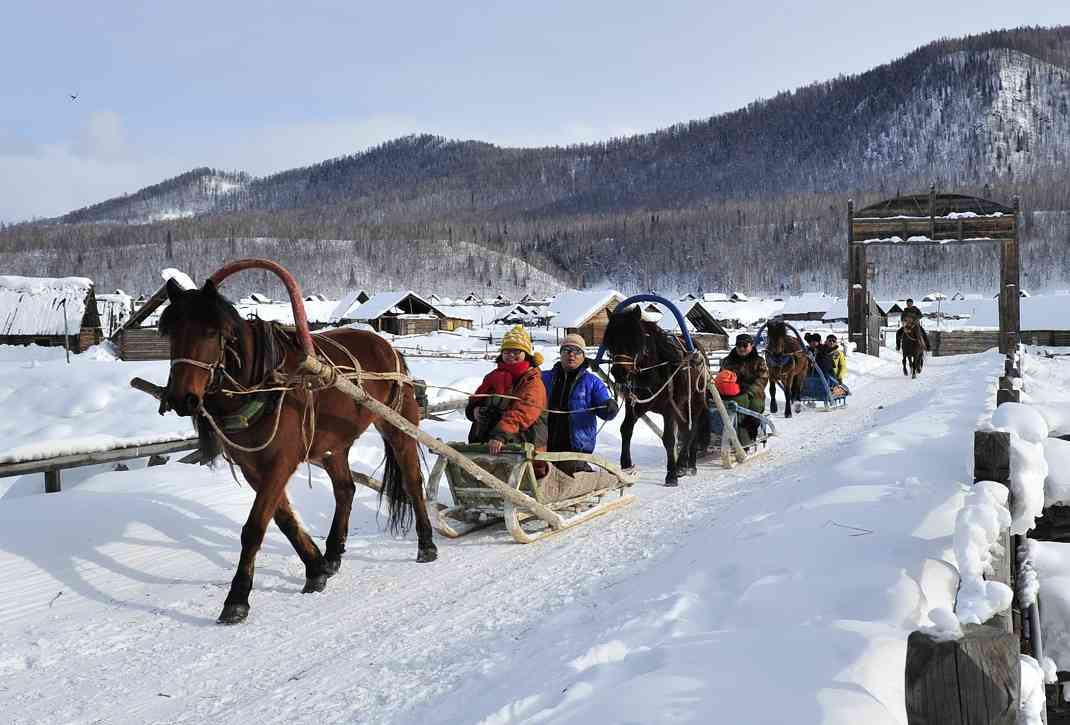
<point x="911" y="310"/>
<point x="752" y="373"/>
<point x="571" y="386"/>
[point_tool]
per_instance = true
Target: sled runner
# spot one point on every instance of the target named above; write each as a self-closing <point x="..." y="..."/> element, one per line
<point x="574" y="498"/>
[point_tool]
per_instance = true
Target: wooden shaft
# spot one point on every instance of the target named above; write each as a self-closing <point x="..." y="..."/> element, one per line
<point x="316" y="368"/>
<point x="156" y="391"/>
<point x="741" y="455"/>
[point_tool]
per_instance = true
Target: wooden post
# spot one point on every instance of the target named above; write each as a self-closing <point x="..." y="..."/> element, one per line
<point x="969" y="681"/>
<point x="992" y="456"/>
<point x="1010" y="316"/>
<point x="52" y="484"/>
<point x="856" y="286"/>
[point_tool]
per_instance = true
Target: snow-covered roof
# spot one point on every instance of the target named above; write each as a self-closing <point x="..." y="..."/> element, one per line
<point x="739" y="297"/>
<point x="837" y="310"/>
<point x="807" y="302"/>
<point x="714" y="297"/>
<point x="934" y="296"/>
<point x="746" y="313"/>
<point x="347" y="306"/>
<point x="573" y="308"/>
<point x="39" y="305"/>
<point x="387" y="302"/>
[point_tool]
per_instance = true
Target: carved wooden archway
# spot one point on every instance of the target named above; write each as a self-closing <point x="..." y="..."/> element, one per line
<point x="932" y="220"/>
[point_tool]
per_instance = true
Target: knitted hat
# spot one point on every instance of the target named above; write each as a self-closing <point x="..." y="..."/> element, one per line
<point x="574" y="340"/>
<point x="519" y="339"/>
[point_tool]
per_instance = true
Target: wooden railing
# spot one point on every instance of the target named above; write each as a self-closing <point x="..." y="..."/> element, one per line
<point x="155" y="452"/>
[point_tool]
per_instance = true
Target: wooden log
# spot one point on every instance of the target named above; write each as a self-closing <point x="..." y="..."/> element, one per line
<point x="992" y="456"/>
<point x="973" y="680"/>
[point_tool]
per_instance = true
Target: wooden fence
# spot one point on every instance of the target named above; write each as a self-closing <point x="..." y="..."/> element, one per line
<point x="155" y="452"/>
<point x="966" y="342"/>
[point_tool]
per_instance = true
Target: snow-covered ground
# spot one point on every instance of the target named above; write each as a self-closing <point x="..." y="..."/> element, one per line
<point x="780" y="591"/>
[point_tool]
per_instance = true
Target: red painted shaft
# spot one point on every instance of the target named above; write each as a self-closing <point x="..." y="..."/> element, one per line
<point x="297" y="302"/>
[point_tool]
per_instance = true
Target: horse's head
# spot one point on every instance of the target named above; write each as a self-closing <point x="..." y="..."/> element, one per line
<point x="203" y="328"/>
<point x="624" y="339"/>
<point x="777" y="337"/>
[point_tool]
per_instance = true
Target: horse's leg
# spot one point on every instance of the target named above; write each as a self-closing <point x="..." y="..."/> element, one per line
<point x="668" y="439"/>
<point x="772" y="393"/>
<point x="905" y="371"/>
<point x="626" y="428"/>
<point x="341" y="474"/>
<point x="272" y="487"/>
<point x="407" y="456"/>
<point x="796" y="391"/>
<point x="789" y="380"/>
<point x="316" y="569"/>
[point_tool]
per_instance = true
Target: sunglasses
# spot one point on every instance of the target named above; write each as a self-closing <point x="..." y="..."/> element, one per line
<point x="571" y="351"/>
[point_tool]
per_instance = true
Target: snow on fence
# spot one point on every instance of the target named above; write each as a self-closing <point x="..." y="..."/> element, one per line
<point x="985" y="662"/>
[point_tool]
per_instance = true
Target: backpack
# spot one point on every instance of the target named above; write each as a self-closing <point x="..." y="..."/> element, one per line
<point x="727" y="383"/>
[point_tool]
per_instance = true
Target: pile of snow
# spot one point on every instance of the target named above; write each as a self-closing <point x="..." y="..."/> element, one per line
<point x="1028" y="431"/>
<point x="977" y="529"/>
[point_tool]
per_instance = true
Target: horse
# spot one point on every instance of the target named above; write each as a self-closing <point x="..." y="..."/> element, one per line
<point x="913" y="347"/>
<point x="788" y="365"/>
<point x="658" y="375"/>
<point x="239" y="382"/>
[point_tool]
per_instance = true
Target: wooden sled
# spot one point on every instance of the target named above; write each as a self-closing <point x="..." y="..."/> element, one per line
<point x="574" y="499"/>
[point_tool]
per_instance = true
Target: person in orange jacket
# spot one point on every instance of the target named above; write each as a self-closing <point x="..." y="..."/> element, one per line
<point x="509" y="406"/>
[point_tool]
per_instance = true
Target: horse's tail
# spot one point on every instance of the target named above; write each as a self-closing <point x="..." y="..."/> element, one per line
<point x="401" y="508"/>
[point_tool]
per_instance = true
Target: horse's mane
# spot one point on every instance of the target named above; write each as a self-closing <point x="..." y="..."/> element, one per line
<point x="779" y="340"/>
<point x="206" y="308"/>
<point x="626" y="330"/>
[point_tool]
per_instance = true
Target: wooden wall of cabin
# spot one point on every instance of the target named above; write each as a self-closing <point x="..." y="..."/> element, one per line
<point x="142" y="343"/>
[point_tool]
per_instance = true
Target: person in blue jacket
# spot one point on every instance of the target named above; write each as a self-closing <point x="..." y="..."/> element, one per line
<point x="571" y="386"/>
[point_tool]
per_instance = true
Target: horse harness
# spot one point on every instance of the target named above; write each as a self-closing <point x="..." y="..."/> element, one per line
<point x="636" y="370"/>
<point x="271" y="342"/>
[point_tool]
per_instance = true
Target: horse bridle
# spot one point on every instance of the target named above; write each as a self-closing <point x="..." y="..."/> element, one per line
<point x="220" y="364"/>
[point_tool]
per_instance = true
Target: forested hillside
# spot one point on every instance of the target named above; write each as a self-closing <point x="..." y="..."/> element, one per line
<point x="753" y="199"/>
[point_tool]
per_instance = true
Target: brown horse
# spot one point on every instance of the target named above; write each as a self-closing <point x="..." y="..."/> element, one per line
<point x="656" y="374"/>
<point x="913" y="347"/>
<point x="788" y="365"/>
<point x="239" y="382"/>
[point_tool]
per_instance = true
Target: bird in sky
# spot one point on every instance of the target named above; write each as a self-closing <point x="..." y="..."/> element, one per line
<point x="74" y="96"/>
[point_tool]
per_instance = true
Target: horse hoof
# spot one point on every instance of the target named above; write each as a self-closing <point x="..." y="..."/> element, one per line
<point x="672" y="482"/>
<point x="798" y="407"/>
<point x="331" y="566"/>
<point x="692" y="470"/>
<point x="315" y="584"/>
<point x="233" y="614"/>
<point x="426" y="554"/>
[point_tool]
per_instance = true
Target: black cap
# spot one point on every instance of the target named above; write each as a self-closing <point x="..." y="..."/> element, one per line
<point x="744" y="337"/>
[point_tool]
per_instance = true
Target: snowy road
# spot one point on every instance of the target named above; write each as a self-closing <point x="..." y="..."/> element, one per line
<point x="111" y="590"/>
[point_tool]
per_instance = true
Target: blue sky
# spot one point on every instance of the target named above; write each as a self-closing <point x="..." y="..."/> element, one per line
<point x="261" y="87"/>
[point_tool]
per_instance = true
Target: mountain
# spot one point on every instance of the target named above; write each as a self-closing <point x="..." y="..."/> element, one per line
<point x="701" y="204"/>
